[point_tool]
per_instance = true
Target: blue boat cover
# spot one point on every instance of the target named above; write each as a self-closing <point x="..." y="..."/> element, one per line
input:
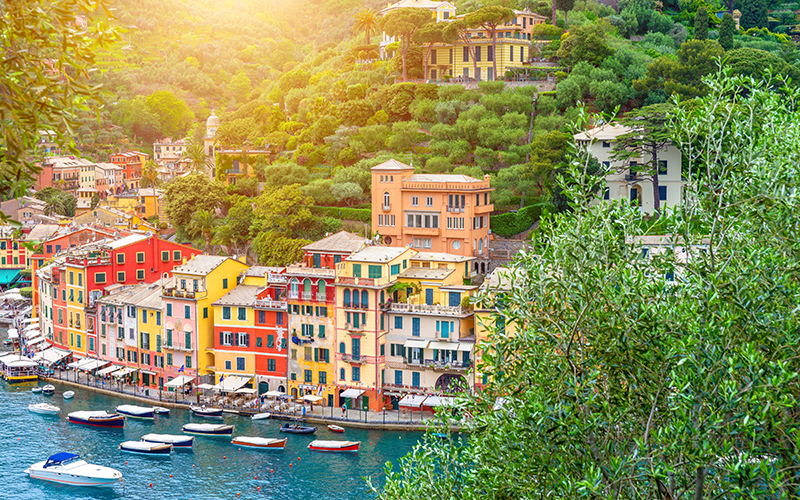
<point x="60" y="458"/>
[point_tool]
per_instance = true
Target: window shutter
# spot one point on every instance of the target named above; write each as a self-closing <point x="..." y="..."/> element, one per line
<point x="247" y="340"/>
<point x="221" y="338"/>
<point x="316" y="354"/>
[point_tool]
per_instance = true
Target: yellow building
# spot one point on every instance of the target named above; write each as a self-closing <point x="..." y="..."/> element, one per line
<point x="234" y="333"/>
<point x="151" y="203"/>
<point x="77" y="327"/>
<point x="115" y="218"/>
<point x="489" y="317"/>
<point x="149" y="316"/>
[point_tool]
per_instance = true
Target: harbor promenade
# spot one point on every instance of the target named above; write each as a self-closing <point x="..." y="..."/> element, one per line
<point x="288" y="410"/>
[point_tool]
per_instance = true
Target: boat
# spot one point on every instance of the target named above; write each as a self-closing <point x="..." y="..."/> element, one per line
<point x="261" y="416"/>
<point x="297" y="429"/>
<point x="69" y="394"/>
<point x="43" y="408"/>
<point x="202" y="411"/>
<point x="320" y="445"/>
<point x="36" y="390"/>
<point x="260" y="443"/>
<point x="160" y="410"/>
<point x="336" y="428"/>
<point x="177" y="442"/>
<point x="146" y="448"/>
<point x="97" y="418"/>
<point x="133" y="411"/>
<point x="208" y="429"/>
<point x="68" y="468"/>
<point x="49" y="390"/>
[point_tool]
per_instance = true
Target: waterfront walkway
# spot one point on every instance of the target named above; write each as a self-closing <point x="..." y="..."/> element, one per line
<point x="387" y="419"/>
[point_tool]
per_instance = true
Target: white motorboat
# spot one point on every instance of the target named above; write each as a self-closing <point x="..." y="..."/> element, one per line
<point x="36" y="390"/>
<point x="146" y="448"/>
<point x="161" y="410"/>
<point x="202" y="411"/>
<point x="177" y="442"/>
<point x="261" y="416"/>
<point x="69" y="394"/>
<point x="133" y="411"/>
<point x="68" y="468"/>
<point x="260" y="443"/>
<point x="97" y="419"/>
<point x="49" y="390"/>
<point x="208" y="429"/>
<point x="43" y="408"/>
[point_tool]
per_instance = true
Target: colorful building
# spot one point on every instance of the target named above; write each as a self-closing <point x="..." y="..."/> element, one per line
<point x="489" y="315"/>
<point x="131" y="163"/>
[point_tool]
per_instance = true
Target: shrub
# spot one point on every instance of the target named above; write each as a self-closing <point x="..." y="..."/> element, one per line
<point x="359" y="214"/>
<point x="511" y="223"/>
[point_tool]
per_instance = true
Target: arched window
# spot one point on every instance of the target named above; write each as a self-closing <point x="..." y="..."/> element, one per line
<point x="293" y="287"/>
<point x="480" y="245"/>
<point x="341" y="347"/>
<point x="321" y="289"/>
<point x="355" y="298"/>
<point x="386" y="199"/>
<point x="364" y="299"/>
<point x="346" y="297"/>
<point x="341" y="374"/>
<point x="306" y="289"/>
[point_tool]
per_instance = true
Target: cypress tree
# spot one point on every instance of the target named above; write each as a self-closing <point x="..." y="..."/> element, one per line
<point x="701" y="24"/>
<point x="754" y="14"/>
<point x="726" y="31"/>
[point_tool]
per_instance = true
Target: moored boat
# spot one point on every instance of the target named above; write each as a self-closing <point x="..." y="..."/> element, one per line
<point x="160" y="410"/>
<point x="68" y="468"/>
<point x="36" y="390"/>
<point x="48" y="390"/>
<point x="336" y="428"/>
<point x="43" y="408"/>
<point x="297" y="429"/>
<point x="69" y="394"/>
<point x="202" y="411"/>
<point x="97" y="419"/>
<point x="208" y="429"/>
<point x="320" y="445"/>
<point x="260" y="443"/>
<point x="146" y="448"/>
<point x="176" y="441"/>
<point x="133" y="411"/>
<point x="261" y="416"/>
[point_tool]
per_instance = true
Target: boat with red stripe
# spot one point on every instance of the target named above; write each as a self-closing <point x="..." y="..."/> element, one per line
<point x="321" y="445"/>
<point x="97" y="419"/>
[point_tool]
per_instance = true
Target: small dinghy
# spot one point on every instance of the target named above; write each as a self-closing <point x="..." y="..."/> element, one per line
<point x="133" y="411"/>
<point x="202" y="411"/>
<point x="69" y="394"/>
<point x="68" y="468"/>
<point x="43" y="408"/>
<point x="160" y="410"/>
<point x="177" y="442"/>
<point x="49" y="390"/>
<point x="97" y="419"/>
<point x="336" y="428"/>
<point x="146" y="448"/>
<point x="36" y="390"/>
<point x="260" y="443"/>
<point x="319" y="445"/>
<point x="297" y="429"/>
<point x="261" y="416"/>
<point x="208" y="429"/>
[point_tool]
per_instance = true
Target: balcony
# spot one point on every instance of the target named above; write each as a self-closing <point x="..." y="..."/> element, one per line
<point x="415" y="364"/>
<point x="349" y="280"/>
<point x="271" y="304"/>
<point x="386" y="207"/>
<point x="430" y="309"/>
<point x="307" y="295"/>
<point x="354" y="328"/>
<point x="455" y="210"/>
<point x="321" y="297"/>
<point x="359" y="358"/>
<point x="183" y="294"/>
<point x="177" y="347"/>
<point x="293" y="295"/>
<point x="276" y="278"/>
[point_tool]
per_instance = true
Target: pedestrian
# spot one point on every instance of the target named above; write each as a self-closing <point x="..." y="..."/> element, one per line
<point x="344" y="410"/>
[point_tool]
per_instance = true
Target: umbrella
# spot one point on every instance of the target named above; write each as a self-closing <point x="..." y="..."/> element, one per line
<point x="311" y="398"/>
<point x="273" y="394"/>
<point x="205" y="386"/>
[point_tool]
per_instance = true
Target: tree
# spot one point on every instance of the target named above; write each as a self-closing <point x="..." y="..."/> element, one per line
<point x="586" y="43"/>
<point x="57" y="202"/>
<point x="347" y="192"/>
<point x="173" y="115"/>
<point x="701" y="24"/>
<point x="429" y="35"/>
<point x="460" y="29"/>
<point x="604" y="355"/>
<point x="726" y="31"/>
<point x="367" y="21"/>
<point x="649" y="136"/>
<point x="403" y="23"/>
<point x="275" y="249"/>
<point x="489" y="18"/>
<point x="44" y="81"/>
<point x="682" y="75"/>
<point x="283" y="210"/>
<point x="187" y="195"/>
<point x="198" y="159"/>
<point x="754" y="14"/>
<point x="203" y="223"/>
<point x="150" y="175"/>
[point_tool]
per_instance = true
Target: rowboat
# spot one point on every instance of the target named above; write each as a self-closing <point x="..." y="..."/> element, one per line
<point x="260" y="443"/>
<point x="160" y="410"/>
<point x="335" y="428"/>
<point x="177" y="442"/>
<point x="43" y="408"/>
<point x="68" y="468"/>
<point x="146" y="448"/>
<point x="319" y="445"/>
<point x="297" y="429"/>
<point x="36" y="390"/>
<point x="208" y="429"/>
<point x="261" y="416"/>
<point x="69" y="394"/>
<point x="48" y="390"/>
<point x="97" y="419"/>
<point x="133" y="411"/>
<point x="204" y="412"/>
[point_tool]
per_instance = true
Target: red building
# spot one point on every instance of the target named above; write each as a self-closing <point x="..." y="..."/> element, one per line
<point x="131" y="163"/>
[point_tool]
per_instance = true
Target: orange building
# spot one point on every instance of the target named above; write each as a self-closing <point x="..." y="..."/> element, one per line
<point x="445" y="213"/>
<point x="131" y="163"/>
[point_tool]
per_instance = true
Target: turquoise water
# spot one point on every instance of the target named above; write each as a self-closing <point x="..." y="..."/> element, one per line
<point x="26" y="438"/>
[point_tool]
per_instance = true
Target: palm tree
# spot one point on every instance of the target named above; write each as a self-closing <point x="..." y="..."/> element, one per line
<point x="197" y="157"/>
<point x="366" y="21"/>
<point x="203" y="222"/>
<point x="150" y="173"/>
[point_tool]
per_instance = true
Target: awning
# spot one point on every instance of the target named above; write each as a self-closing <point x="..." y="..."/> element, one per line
<point x="148" y="372"/>
<point x="9" y="358"/>
<point x="8" y="275"/>
<point x="93" y="364"/>
<point x="109" y="369"/>
<point x="32" y="333"/>
<point x="413" y="400"/>
<point x="422" y="344"/>
<point x="312" y="398"/>
<point x="30" y="320"/>
<point x="231" y="383"/>
<point x="125" y="371"/>
<point x="179" y="381"/>
<point x="273" y="394"/>
<point x="22" y="363"/>
<point x="50" y="356"/>
<point x="246" y="390"/>
<point x="74" y="364"/>
<point x="445" y="346"/>
<point x="465" y="347"/>
<point x="31" y="326"/>
<point x="35" y="340"/>
<point x="351" y="393"/>
<point x="205" y="386"/>
<point x="439" y="401"/>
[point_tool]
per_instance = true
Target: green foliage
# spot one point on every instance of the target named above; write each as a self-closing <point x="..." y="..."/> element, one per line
<point x="190" y="194"/>
<point x="403" y="23"/>
<point x="683" y="74"/>
<point x="585" y="43"/>
<point x="701" y="24"/>
<point x="754" y="14"/>
<point x="57" y="202"/>
<point x="341" y="213"/>
<point x="174" y="117"/>
<point x="26" y="292"/>
<point x="511" y="223"/>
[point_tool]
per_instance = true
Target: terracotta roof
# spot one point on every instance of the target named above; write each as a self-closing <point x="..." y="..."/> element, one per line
<point x="200" y="264"/>
<point x="441" y="178"/>
<point x="242" y="295"/>
<point x="341" y="242"/>
<point x="426" y="273"/>
<point x="441" y="257"/>
<point x="376" y="254"/>
<point x="392" y="165"/>
<point x="607" y="132"/>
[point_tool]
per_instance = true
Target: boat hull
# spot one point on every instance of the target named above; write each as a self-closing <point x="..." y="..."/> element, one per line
<point x="69" y="395"/>
<point x="207" y="413"/>
<point x="42" y="410"/>
<point x="349" y="447"/>
<point x="336" y="428"/>
<point x="113" y="422"/>
<point x="225" y="431"/>
<point x="74" y="481"/>
<point x="143" y="415"/>
<point x="261" y="416"/>
<point x="177" y="442"/>
<point x="278" y="444"/>
<point x="298" y="430"/>
<point x="158" y="449"/>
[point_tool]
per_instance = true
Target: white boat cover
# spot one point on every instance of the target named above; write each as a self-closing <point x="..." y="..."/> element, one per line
<point x="108" y="369"/>
<point x="413" y="400"/>
<point x="205" y="427"/>
<point x="351" y="393"/>
<point x="88" y="414"/>
<point x="179" y="381"/>
<point x="135" y="410"/>
<point x="255" y="441"/>
<point x="231" y="383"/>
<point x="167" y="438"/>
<point x="140" y="445"/>
<point x="332" y="444"/>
